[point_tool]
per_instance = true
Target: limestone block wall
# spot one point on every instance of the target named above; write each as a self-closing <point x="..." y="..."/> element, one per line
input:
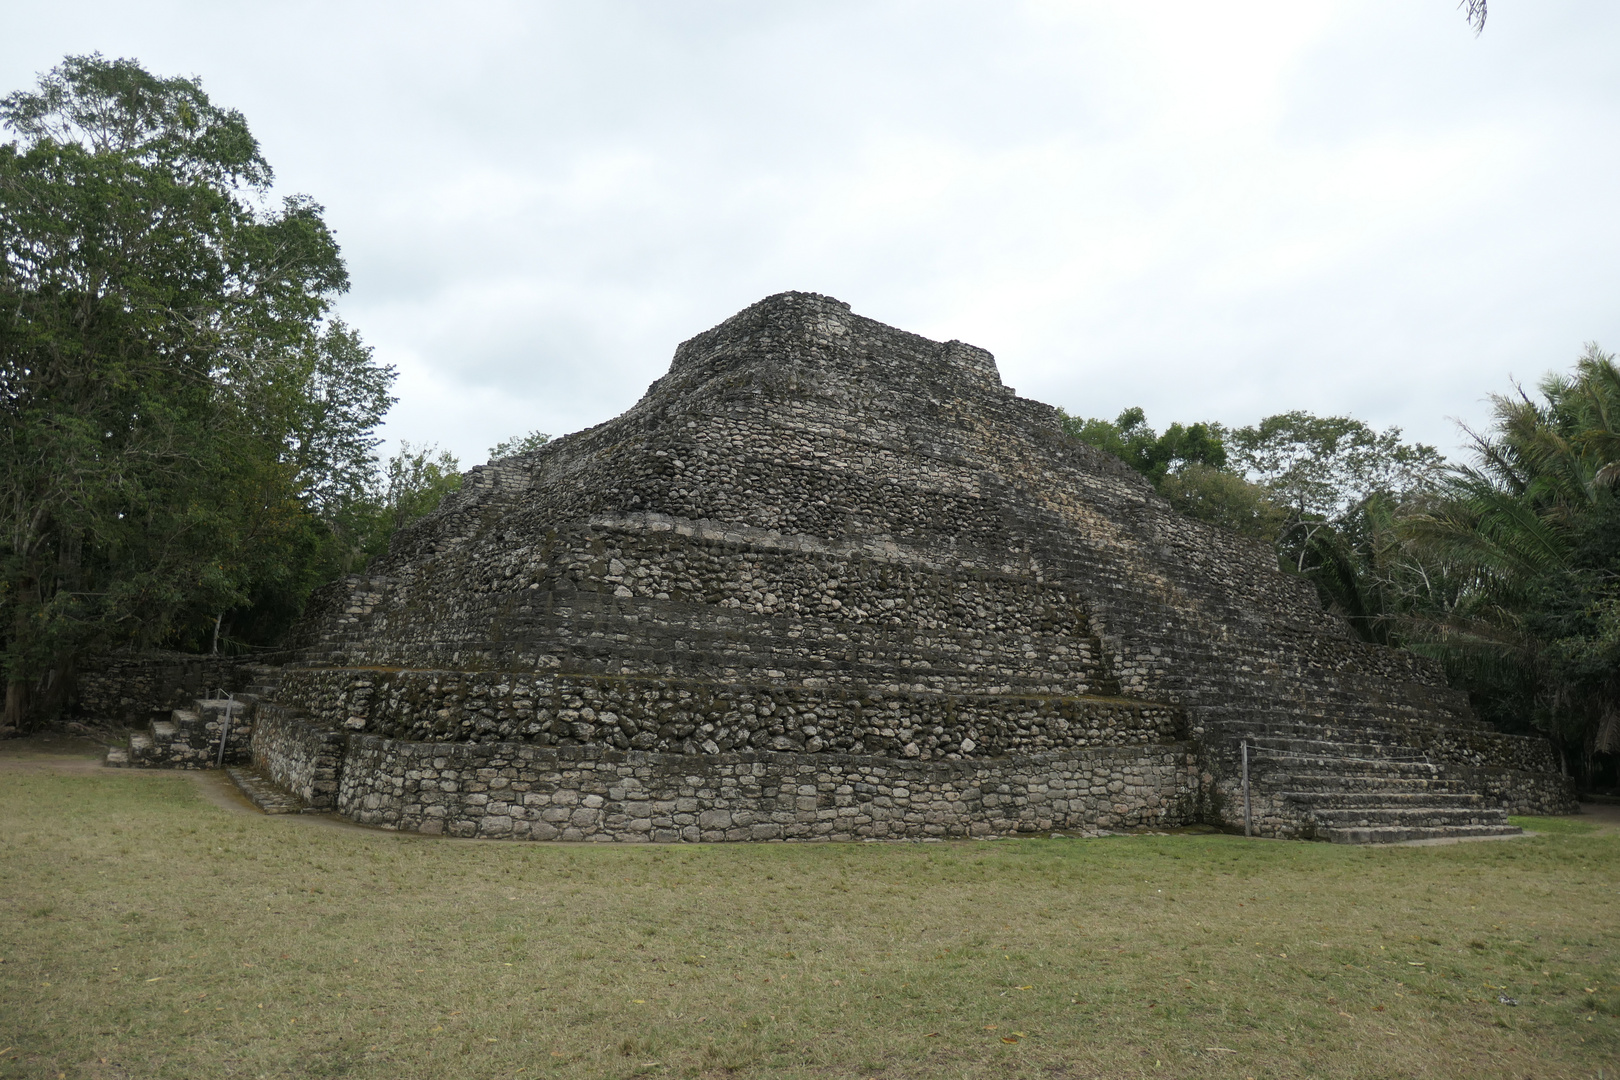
<point x="525" y="792"/>
<point x="303" y="756"/>
<point x="676" y="715"/>
<point x="1483" y="748"/>
<point x="130" y="688"/>
<point x="642" y="591"/>
<point x="1520" y="791"/>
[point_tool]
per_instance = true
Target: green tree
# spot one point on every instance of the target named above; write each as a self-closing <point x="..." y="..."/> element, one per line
<point x="1532" y="530"/>
<point x="1129" y="438"/>
<point x="318" y="410"/>
<point x="334" y="398"/>
<point x="1226" y="499"/>
<point x="159" y="321"/>
<point x="518" y="444"/>
<point x="1322" y="466"/>
<point x="415" y="482"/>
<point x="1187" y="465"/>
<point x="409" y="485"/>
<point x="1344" y="486"/>
<point x="1327" y="491"/>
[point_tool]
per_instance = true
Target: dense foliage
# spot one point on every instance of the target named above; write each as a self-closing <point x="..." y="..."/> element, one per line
<point x="518" y="445"/>
<point x="1528" y="539"/>
<point x="183" y="421"/>
<point x="1506" y="569"/>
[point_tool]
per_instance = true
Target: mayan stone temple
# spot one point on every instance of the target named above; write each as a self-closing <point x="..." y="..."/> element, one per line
<point x="831" y="580"/>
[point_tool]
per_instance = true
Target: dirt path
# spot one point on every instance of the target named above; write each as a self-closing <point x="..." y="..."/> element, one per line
<point x="1605" y="815"/>
<point x="76" y="754"/>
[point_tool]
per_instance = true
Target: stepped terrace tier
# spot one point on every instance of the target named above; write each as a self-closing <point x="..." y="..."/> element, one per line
<point x="821" y="537"/>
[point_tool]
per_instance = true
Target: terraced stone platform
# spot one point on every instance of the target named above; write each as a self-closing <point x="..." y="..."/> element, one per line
<point x="822" y="553"/>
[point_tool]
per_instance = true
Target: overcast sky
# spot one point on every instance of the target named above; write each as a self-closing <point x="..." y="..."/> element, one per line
<point x="1214" y="211"/>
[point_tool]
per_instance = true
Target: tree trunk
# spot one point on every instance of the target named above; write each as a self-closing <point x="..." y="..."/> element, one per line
<point x="16" y="704"/>
<point x="17" y="684"/>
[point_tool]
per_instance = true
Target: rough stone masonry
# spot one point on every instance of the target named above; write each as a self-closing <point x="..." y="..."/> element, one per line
<point x="829" y="579"/>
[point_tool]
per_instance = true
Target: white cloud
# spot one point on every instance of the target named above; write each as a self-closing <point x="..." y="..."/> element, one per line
<point x="1214" y="211"/>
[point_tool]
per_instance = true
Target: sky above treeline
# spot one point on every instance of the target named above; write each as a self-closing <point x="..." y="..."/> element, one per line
<point x="1213" y="211"/>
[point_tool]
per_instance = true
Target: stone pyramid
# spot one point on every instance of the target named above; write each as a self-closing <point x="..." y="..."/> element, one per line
<point x="820" y="541"/>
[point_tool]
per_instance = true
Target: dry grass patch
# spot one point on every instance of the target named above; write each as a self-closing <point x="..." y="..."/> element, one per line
<point x="148" y="932"/>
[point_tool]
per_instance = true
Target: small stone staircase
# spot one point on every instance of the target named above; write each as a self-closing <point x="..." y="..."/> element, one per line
<point x="265" y="681"/>
<point x="266" y="794"/>
<point x="1349" y="785"/>
<point x="189" y="737"/>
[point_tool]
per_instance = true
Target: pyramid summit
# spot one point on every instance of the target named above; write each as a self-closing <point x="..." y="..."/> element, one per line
<point x="829" y="579"/>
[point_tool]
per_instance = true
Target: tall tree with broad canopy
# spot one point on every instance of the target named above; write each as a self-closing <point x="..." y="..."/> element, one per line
<point x="176" y="409"/>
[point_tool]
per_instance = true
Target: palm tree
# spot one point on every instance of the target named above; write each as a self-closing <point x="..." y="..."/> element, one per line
<point x="1531" y="536"/>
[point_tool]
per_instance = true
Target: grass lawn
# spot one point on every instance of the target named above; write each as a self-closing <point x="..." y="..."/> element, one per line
<point x="150" y="931"/>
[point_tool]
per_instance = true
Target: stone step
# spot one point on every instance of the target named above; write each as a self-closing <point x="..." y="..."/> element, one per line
<point x="1274" y="749"/>
<point x="181" y="741"/>
<point x="265" y="793"/>
<point x="1394" y="834"/>
<point x="1374" y="816"/>
<point x="1393" y="799"/>
<point x="1289" y="723"/>
<point x="1390" y="732"/>
<point x="117" y="758"/>
<point x="1391" y="738"/>
<point x="140" y="747"/>
<point x="1347" y="714"/>
<point x="1342" y="782"/>
<point x="240" y="706"/>
<point x="1319" y="766"/>
<point x="263" y="680"/>
<point x="212" y="712"/>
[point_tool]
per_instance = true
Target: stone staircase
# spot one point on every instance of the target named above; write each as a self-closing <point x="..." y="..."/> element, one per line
<point x="266" y="794"/>
<point x="1348" y="784"/>
<point x="265" y="681"/>
<point x="189" y="737"/>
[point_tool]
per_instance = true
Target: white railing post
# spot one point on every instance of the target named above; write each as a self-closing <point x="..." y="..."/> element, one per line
<point x="225" y="727"/>
<point x="1248" y="821"/>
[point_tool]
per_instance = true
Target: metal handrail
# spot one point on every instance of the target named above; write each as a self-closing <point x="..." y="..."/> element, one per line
<point x="225" y="728"/>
